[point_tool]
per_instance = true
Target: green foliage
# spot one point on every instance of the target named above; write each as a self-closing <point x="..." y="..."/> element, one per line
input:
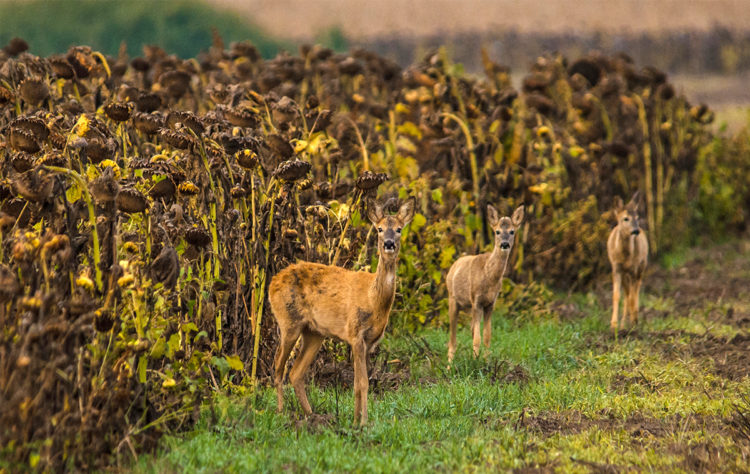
<point x="182" y="27"/>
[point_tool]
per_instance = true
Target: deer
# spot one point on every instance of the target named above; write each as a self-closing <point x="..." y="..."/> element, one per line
<point x="474" y="281"/>
<point x="627" y="248"/>
<point x="315" y="301"/>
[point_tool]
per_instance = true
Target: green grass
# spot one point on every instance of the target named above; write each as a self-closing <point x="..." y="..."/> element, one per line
<point x="552" y="392"/>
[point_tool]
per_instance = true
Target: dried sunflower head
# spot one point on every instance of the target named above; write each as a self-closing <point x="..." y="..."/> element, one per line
<point x="292" y="170"/>
<point x="197" y="236"/>
<point x="33" y="91"/>
<point x="35" y="125"/>
<point x="105" y="188"/>
<point x="148" y="102"/>
<point x="187" y="119"/>
<point x="149" y="124"/>
<point x="241" y="117"/>
<point x="280" y="146"/>
<point x="131" y="200"/>
<point x="369" y="180"/>
<point x="175" y="82"/>
<point x="140" y="64"/>
<point x="118" y="111"/>
<point x="237" y="192"/>
<point x="179" y="140"/>
<point x="82" y="60"/>
<point x="98" y="150"/>
<point x="247" y="158"/>
<point x="188" y="188"/>
<point x="21" y="161"/>
<point x="165" y="268"/>
<point x="34" y="185"/>
<point x="163" y="189"/>
<point x="23" y="140"/>
<point x="62" y="68"/>
<point x="16" y="46"/>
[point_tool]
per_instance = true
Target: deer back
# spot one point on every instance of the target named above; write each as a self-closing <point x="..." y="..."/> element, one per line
<point x="466" y="280"/>
<point x="328" y="300"/>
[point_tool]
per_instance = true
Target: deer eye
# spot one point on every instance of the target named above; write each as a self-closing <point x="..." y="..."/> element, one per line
<point x="626" y="219"/>
<point x="380" y="230"/>
<point x="398" y="231"/>
<point x="497" y="232"/>
<point x="512" y="232"/>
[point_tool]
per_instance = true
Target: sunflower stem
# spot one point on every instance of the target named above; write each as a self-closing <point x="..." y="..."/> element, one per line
<point x="92" y="220"/>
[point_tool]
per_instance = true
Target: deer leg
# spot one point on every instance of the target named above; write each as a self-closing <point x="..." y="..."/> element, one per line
<point x="616" y="283"/>
<point x="286" y="343"/>
<point x="635" y="290"/>
<point x="488" y="325"/>
<point x="476" y="315"/>
<point x="361" y="382"/>
<point x="627" y="289"/>
<point x="453" y="318"/>
<point x="311" y="342"/>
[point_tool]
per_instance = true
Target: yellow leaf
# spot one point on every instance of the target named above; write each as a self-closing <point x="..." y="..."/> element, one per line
<point x="235" y="362"/>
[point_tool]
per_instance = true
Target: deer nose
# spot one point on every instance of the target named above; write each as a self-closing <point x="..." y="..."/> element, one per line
<point x="504" y="245"/>
<point x="389" y="245"/>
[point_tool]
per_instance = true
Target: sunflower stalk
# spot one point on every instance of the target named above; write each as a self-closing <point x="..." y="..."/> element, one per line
<point x="260" y="289"/>
<point x="346" y="227"/>
<point x="98" y="280"/>
<point x="647" y="171"/>
<point x="472" y="163"/>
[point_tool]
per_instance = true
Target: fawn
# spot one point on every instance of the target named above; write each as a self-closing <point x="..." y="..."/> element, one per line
<point x="318" y="301"/>
<point x="474" y="281"/>
<point x="627" y="248"/>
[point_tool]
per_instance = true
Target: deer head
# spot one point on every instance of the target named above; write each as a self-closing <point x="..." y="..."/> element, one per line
<point x="627" y="216"/>
<point x="504" y="228"/>
<point x="389" y="227"/>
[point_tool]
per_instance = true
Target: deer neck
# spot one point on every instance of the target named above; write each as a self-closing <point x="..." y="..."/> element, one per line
<point x="384" y="287"/>
<point x="496" y="265"/>
<point x="627" y="243"/>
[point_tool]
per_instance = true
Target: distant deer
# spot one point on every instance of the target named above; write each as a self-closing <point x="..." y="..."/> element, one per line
<point x="627" y="248"/>
<point x="318" y="301"/>
<point x="474" y="281"/>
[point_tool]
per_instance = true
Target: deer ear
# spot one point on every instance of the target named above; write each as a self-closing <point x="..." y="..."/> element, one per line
<point x="374" y="211"/>
<point x="492" y="215"/>
<point x="406" y="211"/>
<point x="636" y="199"/>
<point x="618" y="204"/>
<point x="518" y="215"/>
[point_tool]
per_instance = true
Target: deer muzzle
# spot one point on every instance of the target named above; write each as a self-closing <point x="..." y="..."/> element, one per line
<point x="504" y="245"/>
<point x="389" y="245"/>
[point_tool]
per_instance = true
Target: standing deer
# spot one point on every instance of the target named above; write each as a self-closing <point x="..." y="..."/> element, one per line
<point x="474" y="281"/>
<point x="627" y="248"/>
<point x="318" y="301"/>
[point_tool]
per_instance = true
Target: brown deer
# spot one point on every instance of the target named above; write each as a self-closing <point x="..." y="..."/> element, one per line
<point x="474" y="281"/>
<point x="627" y="248"/>
<point x="316" y="301"/>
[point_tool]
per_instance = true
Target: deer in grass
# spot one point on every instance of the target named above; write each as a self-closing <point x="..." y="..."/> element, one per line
<point x="316" y="301"/>
<point x="474" y="281"/>
<point x="627" y="248"/>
